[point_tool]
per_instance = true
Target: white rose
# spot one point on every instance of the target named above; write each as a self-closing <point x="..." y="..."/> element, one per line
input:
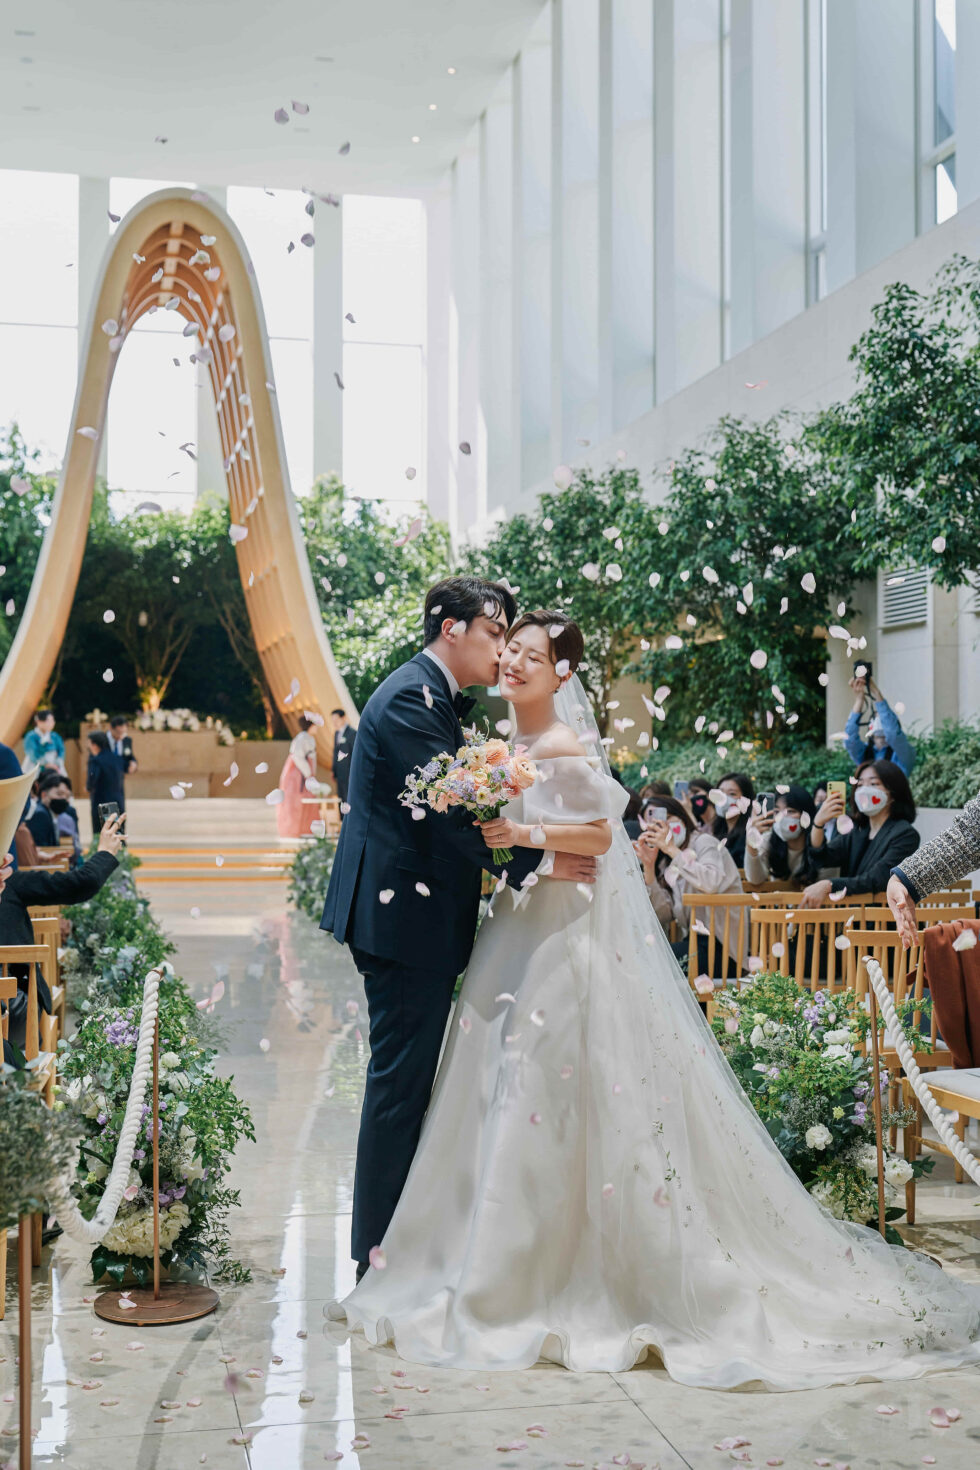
<point x="758" y="1036"/>
<point x="818" y="1136"/>
<point x="178" y="1081"/>
<point x="836" y="1038"/>
<point x="825" y="1194"/>
<point x="897" y="1171"/>
<point x="193" y="1171"/>
<point x="836" y="1053"/>
<point x="168" y="1060"/>
<point x="770" y="1028"/>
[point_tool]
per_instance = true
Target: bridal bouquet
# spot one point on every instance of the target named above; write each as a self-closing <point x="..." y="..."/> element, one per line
<point x="482" y="777"/>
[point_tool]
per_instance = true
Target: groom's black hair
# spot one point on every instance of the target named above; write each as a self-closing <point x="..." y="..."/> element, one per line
<point x="463" y="599"/>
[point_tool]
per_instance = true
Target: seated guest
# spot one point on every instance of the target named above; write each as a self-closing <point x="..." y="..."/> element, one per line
<point x="819" y="797"/>
<point x="700" y="805"/>
<point x="678" y="860"/>
<point x="53" y="799"/>
<point x="26" y="850"/>
<point x="43" y="746"/>
<point x="733" y="803"/>
<point x="654" y="788"/>
<point x="882" y="834"/>
<point x="24" y="889"/>
<point x="105" y="775"/>
<point x="777" y="843"/>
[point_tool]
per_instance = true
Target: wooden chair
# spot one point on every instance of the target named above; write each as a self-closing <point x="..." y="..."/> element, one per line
<point x="47" y="931"/>
<point x="803" y="943"/>
<point x="58" y="859"/>
<point x="8" y="989"/>
<point x="732" y="947"/>
<point x="956" y="1090"/>
<point x="35" y="957"/>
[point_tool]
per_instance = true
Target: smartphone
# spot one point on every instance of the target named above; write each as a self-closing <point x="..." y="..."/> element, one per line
<point x="108" y="809"/>
<point x="766" y="801"/>
<point x="838" y="788"/>
<point x="654" y="814"/>
<point x="681" y="789"/>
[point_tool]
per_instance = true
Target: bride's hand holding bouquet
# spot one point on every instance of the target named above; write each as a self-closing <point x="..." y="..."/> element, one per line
<point x="482" y="777"/>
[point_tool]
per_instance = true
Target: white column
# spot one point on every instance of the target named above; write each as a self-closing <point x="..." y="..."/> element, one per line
<point x="532" y="148"/>
<point x="664" y="264"/>
<point x="466" y="424"/>
<point x="884" y="102"/>
<point x="967" y="101"/>
<point x="439" y="482"/>
<point x="630" y="211"/>
<point x="557" y="262"/>
<point x="210" y="460"/>
<point x="577" y="219"/>
<point x="768" y="145"/>
<point x="93" y="237"/>
<point x="328" y="342"/>
<point x="842" y="72"/>
<point x="496" y="299"/>
<point x="696" y="189"/>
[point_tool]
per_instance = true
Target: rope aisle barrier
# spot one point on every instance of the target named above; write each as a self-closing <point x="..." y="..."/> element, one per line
<point x="963" y="1156"/>
<point x="62" y="1204"/>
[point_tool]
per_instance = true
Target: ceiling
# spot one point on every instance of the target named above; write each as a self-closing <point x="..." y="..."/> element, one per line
<point x="92" y="88"/>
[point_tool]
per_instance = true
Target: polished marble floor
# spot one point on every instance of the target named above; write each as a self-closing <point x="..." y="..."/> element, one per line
<point x="267" y="1383"/>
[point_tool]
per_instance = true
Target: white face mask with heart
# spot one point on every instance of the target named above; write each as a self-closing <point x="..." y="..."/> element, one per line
<point x="677" y="830"/>
<point x="870" y="800"/>
<point x="787" y="825"/>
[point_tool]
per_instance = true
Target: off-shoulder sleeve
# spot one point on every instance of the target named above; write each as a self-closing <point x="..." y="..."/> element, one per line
<point x="569" y="790"/>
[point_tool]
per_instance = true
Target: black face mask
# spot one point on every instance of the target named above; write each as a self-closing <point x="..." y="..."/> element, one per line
<point x="699" y="805"/>
<point x="58" y="804"/>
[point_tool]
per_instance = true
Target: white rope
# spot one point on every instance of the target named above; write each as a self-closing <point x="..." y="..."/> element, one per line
<point x="62" y="1203"/>
<point x="906" y="1056"/>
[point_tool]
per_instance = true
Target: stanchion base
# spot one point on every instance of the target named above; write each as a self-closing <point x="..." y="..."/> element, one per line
<point x="178" y="1301"/>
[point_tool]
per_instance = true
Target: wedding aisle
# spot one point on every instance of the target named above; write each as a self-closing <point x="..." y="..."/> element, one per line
<point x="267" y="1383"/>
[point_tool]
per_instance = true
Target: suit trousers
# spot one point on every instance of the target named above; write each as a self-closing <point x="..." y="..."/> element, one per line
<point x="407" y="1011"/>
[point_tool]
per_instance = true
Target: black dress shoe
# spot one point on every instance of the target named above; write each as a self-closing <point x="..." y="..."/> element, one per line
<point x="362" y="1266"/>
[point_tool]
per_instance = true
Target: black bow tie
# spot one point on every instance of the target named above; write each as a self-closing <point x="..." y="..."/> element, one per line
<point x="463" y="704"/>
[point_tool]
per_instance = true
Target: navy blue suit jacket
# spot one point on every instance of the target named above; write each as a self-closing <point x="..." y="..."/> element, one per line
<point x="382" y="847"/>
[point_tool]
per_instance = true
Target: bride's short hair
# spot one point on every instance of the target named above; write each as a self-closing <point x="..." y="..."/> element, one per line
<point x="567" y="643"/>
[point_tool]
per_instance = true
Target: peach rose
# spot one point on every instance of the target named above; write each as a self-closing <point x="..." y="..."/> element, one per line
<point x="495" y="752"/>
<point x="523" y="772"/>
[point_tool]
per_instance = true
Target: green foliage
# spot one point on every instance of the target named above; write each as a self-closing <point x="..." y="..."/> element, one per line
<point x="37" y="1145"/>
<point x="370" y="590"/>
<point x="309" y="874"/>
<point x="801" y="1060"/>
<point x="788" y="761"/>
<point x="24" y="512"/>
<point x="905" y="447"/>
<point x="604" y="523"/>
<point x="947" y="766"/>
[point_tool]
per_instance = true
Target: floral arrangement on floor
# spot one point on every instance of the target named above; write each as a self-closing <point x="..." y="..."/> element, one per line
<point x="37" y="1144"/>
<point x="309" y="875"/>
<point x="114" y="942"/>
<point x="799" y="1058"/>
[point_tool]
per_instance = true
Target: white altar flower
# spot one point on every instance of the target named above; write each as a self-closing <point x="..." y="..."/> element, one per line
<point x="819" y="1136"/>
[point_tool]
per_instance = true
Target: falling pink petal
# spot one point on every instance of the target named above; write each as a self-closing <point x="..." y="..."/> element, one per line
<point x="87" y="432"/>
<point x="300" y="108"/>
<point x="281" y="115"/>
<point x="465" y="1025"/>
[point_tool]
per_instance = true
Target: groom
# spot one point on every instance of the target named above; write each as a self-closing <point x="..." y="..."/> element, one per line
<point x="405" y="894"/>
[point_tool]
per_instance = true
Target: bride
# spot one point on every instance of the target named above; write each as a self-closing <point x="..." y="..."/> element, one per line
<point x="591" y="1181"/>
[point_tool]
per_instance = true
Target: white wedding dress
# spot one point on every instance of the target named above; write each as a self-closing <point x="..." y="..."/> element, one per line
<point x="591" y="1181"/>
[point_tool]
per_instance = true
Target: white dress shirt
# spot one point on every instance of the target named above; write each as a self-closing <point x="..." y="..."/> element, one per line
<point x="450" y="677"/>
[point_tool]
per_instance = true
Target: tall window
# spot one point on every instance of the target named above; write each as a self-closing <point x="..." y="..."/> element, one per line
<point x="937" y="41"/>
<point x="815" y="78"/>
<point x="39" y="307"/>
<point x="384" y="291"/>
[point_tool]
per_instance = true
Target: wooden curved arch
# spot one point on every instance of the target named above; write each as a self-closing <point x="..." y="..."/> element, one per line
<point x="156" y="257"/>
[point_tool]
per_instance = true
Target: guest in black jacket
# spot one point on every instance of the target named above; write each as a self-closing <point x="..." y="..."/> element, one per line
<point x="53" y="798"/>
<point x="25" y="888"/>
<point x="105" y="775"/>
<point x="882" y="834"/>
<point x="344" y="736"/>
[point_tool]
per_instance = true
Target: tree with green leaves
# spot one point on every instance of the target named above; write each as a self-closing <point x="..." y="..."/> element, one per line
<point x="905" y="447"/>
<point x="371" y="576"/>
<point x="587" y="550"/>
<point x="25" y="508"/>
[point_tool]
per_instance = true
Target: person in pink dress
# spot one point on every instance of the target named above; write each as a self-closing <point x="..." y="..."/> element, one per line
<point x="292" y="816"/>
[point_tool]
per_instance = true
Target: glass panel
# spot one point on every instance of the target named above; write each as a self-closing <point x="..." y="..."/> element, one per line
<point x="383" y="423"/>
<point x="946" y="189"/>
<point x="152" y="411"/>
<point x="269" y="222"/>
<point x="38" y="370"/>
<point x="292" y="364"/>
<point x="944" y="69"/>
<point x="39" y="248"/>
<point x="384" y="269"/>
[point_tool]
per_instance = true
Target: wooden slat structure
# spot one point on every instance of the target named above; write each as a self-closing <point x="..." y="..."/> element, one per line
<point x="157" y="261"/>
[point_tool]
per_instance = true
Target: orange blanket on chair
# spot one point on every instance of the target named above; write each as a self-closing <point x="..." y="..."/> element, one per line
<point x="953" y="978"/>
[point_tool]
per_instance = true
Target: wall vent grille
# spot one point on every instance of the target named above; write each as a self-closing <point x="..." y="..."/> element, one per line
<point x="905" y="596"/>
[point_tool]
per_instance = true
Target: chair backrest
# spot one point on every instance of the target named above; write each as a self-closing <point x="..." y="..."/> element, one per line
<point x="723" y="918"/>
<point x="45" y="911"/>
<point x="47" y="931"/>
<point x="876" y="917"/>
<point x="771" y="885"/>
<point x="901" y="967"/>
<point x="31" y="955"/>
<point x="809" y="944"/>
